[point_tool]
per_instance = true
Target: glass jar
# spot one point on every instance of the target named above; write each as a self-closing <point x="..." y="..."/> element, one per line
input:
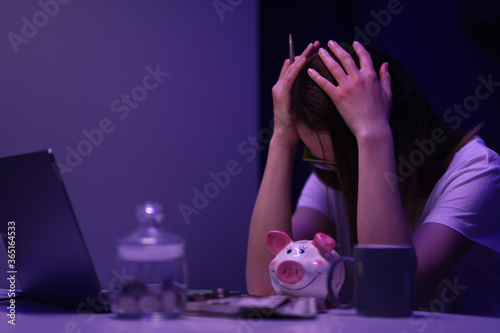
<point x="155" y="266"/>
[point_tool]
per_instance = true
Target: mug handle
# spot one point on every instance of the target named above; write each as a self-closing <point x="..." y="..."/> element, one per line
<point x="335" y="301"/>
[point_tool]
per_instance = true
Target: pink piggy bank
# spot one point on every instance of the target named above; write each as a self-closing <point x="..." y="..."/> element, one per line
<point x="300" y="268"/>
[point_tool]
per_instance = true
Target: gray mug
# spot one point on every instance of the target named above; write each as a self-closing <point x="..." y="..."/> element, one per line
<point x="384" y="280"/>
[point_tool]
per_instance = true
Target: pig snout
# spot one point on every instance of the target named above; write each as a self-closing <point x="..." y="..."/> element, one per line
<point x="290" y="272"/>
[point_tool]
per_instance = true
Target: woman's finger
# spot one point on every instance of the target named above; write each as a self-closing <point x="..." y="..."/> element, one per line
<point x="333" y="66"/>
<point x="365" y="60"/>
<point x="310" y="49"/>
<point x="385" y="79"/>
<point x="344" y="57"/>
<point x="294" y="70"/>
<point x="307" y="52"/>
<point x="323" y="83"/>
<point x="284" y="68"/>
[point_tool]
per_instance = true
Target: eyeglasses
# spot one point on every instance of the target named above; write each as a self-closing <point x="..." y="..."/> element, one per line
<point x="317" y="162"/>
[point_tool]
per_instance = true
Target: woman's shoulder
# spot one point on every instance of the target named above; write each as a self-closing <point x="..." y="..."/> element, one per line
<point x="474" y="166"/>
<point x="466" y="197"/>
<point x="475" y="154"/>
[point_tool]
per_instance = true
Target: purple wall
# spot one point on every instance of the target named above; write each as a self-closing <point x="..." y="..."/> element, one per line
<point x="140" y="100"/>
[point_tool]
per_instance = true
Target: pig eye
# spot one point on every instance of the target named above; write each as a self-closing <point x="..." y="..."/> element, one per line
<point x="289" y="250"/>
<point x="302" y="249"/>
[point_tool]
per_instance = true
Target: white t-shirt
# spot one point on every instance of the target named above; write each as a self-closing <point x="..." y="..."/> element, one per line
<point x="466" y="199"/>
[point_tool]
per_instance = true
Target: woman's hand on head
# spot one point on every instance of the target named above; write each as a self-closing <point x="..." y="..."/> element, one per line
<point x="363" y="100"/>
<point x="284" y="124"/>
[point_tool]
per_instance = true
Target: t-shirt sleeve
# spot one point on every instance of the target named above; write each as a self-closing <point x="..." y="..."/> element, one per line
<point x="467" y="198"/>
<point x="313" y="195"/>
<point x="317" y="195"/>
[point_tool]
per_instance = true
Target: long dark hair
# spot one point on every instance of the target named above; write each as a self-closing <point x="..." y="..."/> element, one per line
<point x="413" y="124"/>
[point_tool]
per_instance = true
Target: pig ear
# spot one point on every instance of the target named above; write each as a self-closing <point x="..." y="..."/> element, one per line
<point x="277" y="240"/>
<point x="323" y="242"/>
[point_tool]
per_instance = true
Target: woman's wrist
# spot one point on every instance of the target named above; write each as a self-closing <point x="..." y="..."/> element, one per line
<point x="284" y="142"/>
<point x="379" y="134"/>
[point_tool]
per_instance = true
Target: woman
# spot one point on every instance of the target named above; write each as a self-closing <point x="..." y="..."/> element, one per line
<point x="388" y="171"/>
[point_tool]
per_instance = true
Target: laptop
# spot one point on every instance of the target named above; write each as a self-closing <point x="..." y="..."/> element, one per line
<point x="51" y="263"/>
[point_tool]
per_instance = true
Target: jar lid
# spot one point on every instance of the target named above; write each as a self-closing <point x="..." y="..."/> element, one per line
<point x="150" y="232"/>
<point x="158" y="252"/>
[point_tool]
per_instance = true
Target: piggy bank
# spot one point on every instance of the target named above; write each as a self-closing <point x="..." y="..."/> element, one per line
<point x="300" y="268"/>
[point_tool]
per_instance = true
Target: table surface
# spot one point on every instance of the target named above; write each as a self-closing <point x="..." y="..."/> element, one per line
<point x="41" y="319"/>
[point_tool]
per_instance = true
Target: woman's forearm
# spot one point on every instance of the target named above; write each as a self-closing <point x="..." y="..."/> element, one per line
<point x="272" y="211"/>
<point x="381" y="218"/>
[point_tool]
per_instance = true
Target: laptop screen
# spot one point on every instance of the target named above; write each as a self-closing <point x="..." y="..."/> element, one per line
<point x="51" y="262"/>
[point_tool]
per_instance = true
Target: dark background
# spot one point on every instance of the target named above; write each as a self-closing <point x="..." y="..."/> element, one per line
<point x="445" y="44"/>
